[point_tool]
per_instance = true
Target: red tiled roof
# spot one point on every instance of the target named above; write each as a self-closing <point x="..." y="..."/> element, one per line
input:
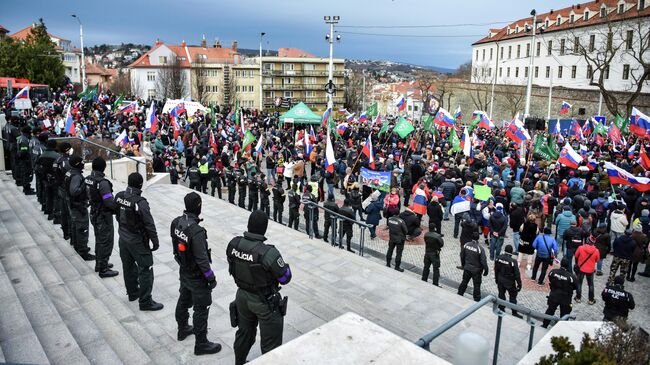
<point x="24" y="33"/>
<point x="97" y="69"/>
<point x="294" y="53"/>
<point x="579" y="9"/>
<point x="3" y="29"/>
<point x="213" y="54"/>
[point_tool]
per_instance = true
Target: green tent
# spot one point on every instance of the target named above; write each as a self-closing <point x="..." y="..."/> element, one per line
<point x="300" y="114"/>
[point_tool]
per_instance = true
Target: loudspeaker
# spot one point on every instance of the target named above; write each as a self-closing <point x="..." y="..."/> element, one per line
<point x="530" y="123"/>
<point x="582" y="111"/>
<point x="541" y="124"/>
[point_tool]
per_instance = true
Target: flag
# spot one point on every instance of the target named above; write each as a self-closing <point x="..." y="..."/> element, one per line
<point x="363" y="118"/>
<point x="213" y="142"/>
<point x="639" y="123"/>
<point x="619" y="176"/>
<point x="121" y="138"/>
<point x="151" y="124"/>
<point x="454" y="141"/>
<point x="459" y="205"/>
<point x="565" y="108"/>
<point x="373" y="110"/>
<point x="543" y="149"/>
<point x="306" y="141"/>
<point x="403" y="128"/>
<point x="622" y="124"/>
<point x="599" y="128"/>
<point x="458" y="114"/>
<point x="259" y="146"/>
<point x="248" y="139"/>
<point x="443" y="118"/>
<point x="427" y="122"/>
<point x="213" y="117"/>
<point x="475" y="122"/>
<point x="401" y="104"/>
<point x="22" y="94"/>
<point x="349" y="118"/>
<point x="326" y="117"/>
<point x="312" y="136"/>
<point x="89" y="94"/>
<point x="583" y="150"/>
<point x="341" y="128"/>
<point x="130" y="107"/>
<point x="69" y="123"/>
<point x="614" y="133"/>
<point x="592" y="164"/>
<point x="384" y="127"/>
<point x="330" y="159"/>
<point x="644" y="160"/>
<point x="466" y="144"/>
<point x="485" y="122"/>
<point x="577" y="130"/>
<point x="118" y="102"/>
<point x="569" y="157"/>
<point x="517" y="132"/>
<point x="631" y="150"/>
<point x="557" y="129"/>
<point x="553" y="148"/>
<point x="586" y="128"/>
<point x="367" y="150"/>
<point x="236" y="113"/>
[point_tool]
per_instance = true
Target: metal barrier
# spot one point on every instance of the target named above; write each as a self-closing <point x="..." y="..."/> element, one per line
<point x="532" y="318"/>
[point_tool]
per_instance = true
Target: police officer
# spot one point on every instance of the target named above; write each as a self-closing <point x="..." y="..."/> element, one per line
<point x="102" y="208"/>
<point x="24" y="162"/>
<point x="36" y="148"/>
<point x="242" y="183"/>
<point x="137" y="228"/>
<point x="397" y="230"/>
<point x="563" y="283"/>
<point x="618" y="301"/>
<point x="62" y="205"/>
<point x="204" y="170"/>
<point x="232" y="184"/>
<point x="279" y="196"/>
<point x="195" y="176"/>
<point x="253" y="190"/>
<point x="310" y="211"/>
<point x="346" y="225"/>
<point x="433" y="245"/>
<point x="75" y="187"/>
<point x="474" y="262"/>
<point x="11" y="133"/>
<point x="330" y="205"/>
<point x="44" y="167"/>
<point x="215" y="180"/>
<point x="294" y="206"/>
<point x="197" y="280"/>
<point x="257" y="269"/>
<point x="265" y="191"/>
<point x="507" y="277"/>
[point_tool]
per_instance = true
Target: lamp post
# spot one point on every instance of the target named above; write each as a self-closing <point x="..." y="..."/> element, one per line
<point x="494" y="79"/>
<point x="529" y="87"/>
<point x="261" y="76"/>
<point x="84" y="82"/>
<point x="331" y="20"/>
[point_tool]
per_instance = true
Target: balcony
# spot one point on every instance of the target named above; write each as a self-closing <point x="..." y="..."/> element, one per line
<point x="317" y="87"/>
<point x="309" y="101"/>
<point x="299" y="73"/>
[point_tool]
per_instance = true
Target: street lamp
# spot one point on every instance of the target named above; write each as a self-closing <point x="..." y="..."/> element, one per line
<point x="331" y="20"/>
<point x="261" y="77"/>
<point x="532" y="62"/>
<point x="84" y="82"/>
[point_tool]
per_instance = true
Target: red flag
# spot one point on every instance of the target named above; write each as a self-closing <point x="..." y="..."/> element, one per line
<point x="644" y="160"/>
<point x="213" y="143"/>
<point x="614" y="133"/>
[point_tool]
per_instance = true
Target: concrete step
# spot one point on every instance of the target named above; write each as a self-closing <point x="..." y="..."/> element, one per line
<point x="136" y="341"/>
<point x="59" y="344"/>
<point x="18" y="341"/>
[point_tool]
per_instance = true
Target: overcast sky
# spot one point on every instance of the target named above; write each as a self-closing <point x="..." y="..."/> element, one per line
<point x="287" y="23"/>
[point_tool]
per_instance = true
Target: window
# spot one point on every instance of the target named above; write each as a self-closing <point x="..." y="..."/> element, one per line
<point x="606" y="72"/>
<point x="559" y="72"/>
<point x="490" y="72"/>
<point x="592" y="42"/>
<point x="626" y="72"/>
<point x="536" y="71"/>
<point x="287" y="66"/>
<point x="508" y="72"/>
<point x="550" y="48"/>
<point x="628" y="39"/>
<point x="573" y="71"/>
<point x="212" y="88"/>
<point x="268" y="81"/>
<point x="586" y="17"/>
<point x="309" y="80"/>
<point x="539" y="47"/>
<point x="287" y="80"/>
<point x="641" y="4"/>
<point x="162" y="60"/>
<point x="310" y="94"/>
<point x="308" y="67"/>
<point x="576" y="45"/>
<point x="516" y="71"/>
<point x="151" y="93"/>
<point x="610" y="38"/>
<point x="518" y="50"/>
<point x="203" y="57"/>
<point x="562" y="45"/>
<point x="590" y="72"/>
<point x="477" y="54"/>
<point x="500" y="71"/>
<point x="483" y="54"/>
<point x="288" y="94"/>
<point x="527" y="49"/>
<point x="559" y="21"/>
<point x="501" y="56"/>
<point x="621" y="8"/>
<point x="526" y="72"/>
<point x="151" y="75"/>
<point x="548" y="71"/>
<point x="546" y="24"/>
<point x="571" y="18"/>
<point x="491" y="51"/>
<point x="269" y="66"/>
<point x="509" y="52"/>
<point x="603" y="12"/>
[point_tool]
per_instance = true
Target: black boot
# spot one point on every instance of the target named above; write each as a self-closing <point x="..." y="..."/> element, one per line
<point x="108" y="273"/>
<point x="184" y="330"/>
<point x="151" y="306"/>
<point x="399" y="269"/>
<point x="98" y="269"/>
<point x="205" y="347"/>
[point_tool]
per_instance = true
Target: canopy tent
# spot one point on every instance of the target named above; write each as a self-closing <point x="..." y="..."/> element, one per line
<point x="300" y="114"/>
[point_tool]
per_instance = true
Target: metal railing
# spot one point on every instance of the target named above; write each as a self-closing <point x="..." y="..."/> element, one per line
<point x="533" y="319"/>
<point x="108" y="154"/>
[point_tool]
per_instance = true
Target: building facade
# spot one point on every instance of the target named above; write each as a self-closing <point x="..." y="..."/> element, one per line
<point x="569" y="48"/>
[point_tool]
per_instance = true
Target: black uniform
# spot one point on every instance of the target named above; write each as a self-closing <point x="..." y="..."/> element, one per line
<point x="474" y="262"/>
<point x="618" y="302"/>
<point x="36" y="149"/>
<point x="563" y="283"/>
<point x="331" y="205"/>
<point x="253" y="193"/>
<point x="397" y="230"/>
<point x="507" y="277"/>
<point x="265" y="204"/>
<point x="194" y="175"/>
<point x="215" y="180"/>
<point x="433" y="245"/>
<point x="310" y="212"/>
<point x="75" y="188"/>
<point x="62" y="204"/>
<point x="232" y="186"/>
<point x="24" y="163"/>
<point x="242" y="183"/>
<point x="102" y="208"/>
<point x="11" y="133"/>
<point x="346" y="226"/>
<point x="278" y="202"/>
<point x="45" y="168"/>
<point x="137" y="228"/>
<point x="294" y="205"/>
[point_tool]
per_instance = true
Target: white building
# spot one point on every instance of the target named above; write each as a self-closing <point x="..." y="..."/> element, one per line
<point x="600" y="28"/>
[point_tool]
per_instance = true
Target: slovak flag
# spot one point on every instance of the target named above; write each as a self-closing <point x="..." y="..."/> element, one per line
<point x="639" y="123"/>
<point x="326" y="117"/>
<point x="176" y="126"/>
<point x="517" y="132"/>
<point x="644" y="160"/>
<point x="22" y="94"/>
<point x="443" y="118"/>
<point x="341" y="128"/>
<point x="630" y="152"/>
<point x="458" y="114"/>
<point x="586" y="128"/>
<point x="306" y="141"/>
<point x="151" y="124"/>
<point x="258" y="147"/>
<point x="129" y="107"/>
<point x="565" y="108"/>
<point x="349" y="118"/>
<point x="401" y="104"/>
<point x="569" y="157"/>
<point x="363" y="118"/>
<point x="486" y="123"/>
<point x="619" y="176"/>
<point x="121" y="138"/>
<point x="69" y="124"/>
<point x="330" y="159"/>
<point x="367" y="150"/>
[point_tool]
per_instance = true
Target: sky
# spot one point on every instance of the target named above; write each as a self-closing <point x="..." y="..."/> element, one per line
<point x="287" y="23"/>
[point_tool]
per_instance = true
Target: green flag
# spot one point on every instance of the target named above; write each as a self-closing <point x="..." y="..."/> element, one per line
<point x="403" y="128"/>
<point x="454" y="140"/>
<point x="372" y="111"/>
<point x="543" y="149"/>
<point x="384" y="127"/>
<point x="236" y="113"/>
<point x="248" y="139"/>
<point x="89" y="94"/>
<point x="475" y="123"/>
<point x="622" y="124"/>
<point x="427" y="121"/>
<point x="118" y="101"/>
<point x="552" y="145"/>
<point x="213" y="117"/>
<point x="600" y="129"/>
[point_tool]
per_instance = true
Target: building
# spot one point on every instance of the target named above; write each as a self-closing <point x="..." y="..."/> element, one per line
<point x="3" y="31"/>
<point x="387" y="95"/>
<point x="96" y="74"/>
<point x="214" y="74"/>
<point x="70" y="55"/>
<point x="562" y="38"/>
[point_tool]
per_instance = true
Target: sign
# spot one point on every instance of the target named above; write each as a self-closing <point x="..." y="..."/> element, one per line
<point x="22" y="104"/>
<point x="190" y="106"/>
<point x="482" y="192"/>
<point x="288" y="120"/>
<point x="379" y="180"/>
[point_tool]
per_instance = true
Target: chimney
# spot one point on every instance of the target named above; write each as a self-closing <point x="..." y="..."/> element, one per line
<point x="158" y="42"/>
<point x="203" y="42"/>
<point x="234" y="46"/>
<point x="183" y="44"/>
<point x="217" y="44"/>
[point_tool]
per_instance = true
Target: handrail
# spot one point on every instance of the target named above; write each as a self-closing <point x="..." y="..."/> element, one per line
<point x="339" y="216"/>
<point x="85" y="140"/>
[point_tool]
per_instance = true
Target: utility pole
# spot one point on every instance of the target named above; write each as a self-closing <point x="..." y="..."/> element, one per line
<point x="261" y="76"/>
<point x="550" y="97"/>
<point x="331" y="20"/>
<point x="529" y="87"/>
<point x="600" y="102"/>
<point x="494" y="79"/>
<point x="363" y="92"/>
<point x="84" y="82"/>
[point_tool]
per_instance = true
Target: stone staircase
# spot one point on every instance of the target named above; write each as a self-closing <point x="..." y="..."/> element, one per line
<point x="55" y="309"/>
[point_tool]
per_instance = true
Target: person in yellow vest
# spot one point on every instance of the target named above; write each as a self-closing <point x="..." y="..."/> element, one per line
<point x="204" y="170"/>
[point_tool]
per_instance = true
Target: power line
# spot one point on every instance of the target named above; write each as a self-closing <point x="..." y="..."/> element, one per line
<point x="424" y="26"/>
<point x="414" y="35"/>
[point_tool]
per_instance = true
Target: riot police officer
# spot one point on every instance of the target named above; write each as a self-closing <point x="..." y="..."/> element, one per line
<point x="214" y="174"/>
<point x="310" y="211"/>
<point x="24" y="162"/>
<point x="197" y="280"/>
<point x="397" y="235"/>
<point x="232" y="184"/>
<point x="195" y="176"/>
<point x="137" y="228"/>
<point x="75" y="188"/>
<point x="102" y="208"/>
<point x="279" y="197"/>
<point x="345" y="230"/>
<point x="36" y="148"/>
<point x="474" y="262"/>
<point x="62" y="205"/>
<point x="253" y="190"/>
<point x="507" y="277"/>
<point x="433" y="245"/>
<point x="618" y="301"/>
<point x="330" y="205"/>
<point x="257" y="269"/>
<point x="563" y="283"/>
<point x="242" y="183"/>
<point x="44" y="167"/>
<point x="11" y="133"/>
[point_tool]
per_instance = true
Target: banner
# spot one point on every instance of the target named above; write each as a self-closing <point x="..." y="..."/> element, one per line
<point x="543" y="149"/>
<point x="376" y="179"/>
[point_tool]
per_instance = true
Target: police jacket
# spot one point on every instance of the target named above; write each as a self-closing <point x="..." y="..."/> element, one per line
<point x="472" y="258"/>
<point x="433" y="243"/>
<point x="76" y="189"/>
<point x="45" y="165"/>
<point x="134" y="217"/>
<point x="253" y="187"/>
<point x="255" y="266"/>
<point x="23" y="147"/>
<point x="190" y="247"/>
<point x="618" y="302"/>
<point x="562" y="283"/>
<point x="397" y="230"/>
<point x="194" y="174"/>
<point x="264" y="193"/>
<point x="506" y="271"/>
<point x="469" y="227"/>
<point x="347" y="212"/>
<point x="61" y="167"/>
<point x="242" y="181"/>
<point x="231" y="179"/>
<point x="278" y="194"/>
<point x="35" y="148"/>
<point x="213" y="174"/>
<point x="294" y="199"/>
<point x="100" y="193"/>
<point x="331" y="206"/>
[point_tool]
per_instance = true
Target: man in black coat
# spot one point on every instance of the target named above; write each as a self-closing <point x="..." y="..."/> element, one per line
<point x="507" y="277"/>
<point x="563" y="283"/>
<point x="330" y="204"/>
<point x="434" y="211"/>
<point x="517" y="219"/>
<point x="474" y="262"/>
<point x="412" y="223"/>
<point x="433" y="245"/>
<point x="618" y="301"/>
<point x="498" y="227"/>
<point x="398" y="230"/>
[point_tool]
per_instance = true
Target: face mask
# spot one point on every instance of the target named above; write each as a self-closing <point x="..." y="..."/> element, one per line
<point x="71" y="151"/>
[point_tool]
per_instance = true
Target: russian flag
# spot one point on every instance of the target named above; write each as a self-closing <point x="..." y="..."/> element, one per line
<point x="151" y="124"/>
<point x="69" y="124"/>
<point x="592" y="164"/>
<point x="367" y="150"/>
<point x="363" y="118"/>
<point x="401" y="104"/>
<point x="22" y="94"/>
<point x="330" y="159"/>
<point x="307" y="144"/>
<point x="583" y="150"/>
<point x="258" y="147"/>
<point x="326" y="117"/>
<point x="341" y="128"/>
<point x="458" y="114"/>
<point x="639" y="123"/>
<point x="569" y="157"/>
<point x="630" y="152"/>
<point x="349" y="118"/>
<point x="121" y="138"/>
<point x="443" y="118"/>
<point x="619" y="176"/>
<point x="485" y="122"/>
<point x="312" y="136"/>
<point x="419" y="202"/>
<point x="565" y="108"/>
<point x="129" y="107"/>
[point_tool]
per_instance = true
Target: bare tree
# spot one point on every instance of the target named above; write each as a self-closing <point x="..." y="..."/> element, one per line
<point x="354" y="91"/>
<point x="136" y="86"/>
<point x="230" y="89"/>
<point x="480" y="89"/>
<point x="512" y="96"/>
<point x="464" y="71"/>
<point x="171" y="80"/>
<point x="121" y="83"/>
<point x="425" y="82"/>
<point x="199" y="81"/>
<point x="444" y="88"/>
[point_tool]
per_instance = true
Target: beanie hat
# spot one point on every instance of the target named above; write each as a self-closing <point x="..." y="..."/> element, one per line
<point x="619" y="280"/>
<point x="76" y="162"/>
<point x="64" y="147"/>
<point x="565" y="262"/>
<point x="135" y="180"/>
<point x="99" y="164"/>
<point x="258" y="221"/>
<point x="645" y="213"/>
<point x="193" y="203"/>
<point x="499" y="207"/>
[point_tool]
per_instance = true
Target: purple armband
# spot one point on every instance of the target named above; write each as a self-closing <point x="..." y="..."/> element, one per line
<point x="107" y="196"/>
<point x="208" y="273"/>
<point x="285" y="277"/>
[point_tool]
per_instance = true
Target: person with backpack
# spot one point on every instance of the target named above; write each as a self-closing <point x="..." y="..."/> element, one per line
<point x="600" y="205"/>
<point x="586" y="257"/>
<point x="391" y="204"/>
<point x="546" y="248"/>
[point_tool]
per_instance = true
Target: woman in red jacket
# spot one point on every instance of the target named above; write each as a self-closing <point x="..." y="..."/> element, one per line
<point x="586" y="257"/>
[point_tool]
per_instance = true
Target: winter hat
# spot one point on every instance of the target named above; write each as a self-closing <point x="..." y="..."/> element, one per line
<point x="76" y="162"/>
<point x="637" y="228"/>
<point x="135" y="180"/>
<point x="499" y="207"/>
<point x="258" y="221"/>
<point x="619" y="280"/>
<point x="193" y="203"/>
<point x="64" y="147"/>
<point x="645" y="213"/>
<point x="99" y="164"/>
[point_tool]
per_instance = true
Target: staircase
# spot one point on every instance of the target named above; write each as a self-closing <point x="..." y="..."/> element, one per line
<point x="226" y="85"/>
<point x="55" y="309"/>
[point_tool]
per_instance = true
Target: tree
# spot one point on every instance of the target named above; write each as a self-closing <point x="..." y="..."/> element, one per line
<point x="354" y="90"/>
<point x="481" y="87"/>
<point x="464" y="71"/>
<point x="425" y="81"/>
<point x="121" y="84"/>
<point x="199" y="81"/>
<point x="444" y="88"/>
<point x="512" y="96"/>
<point x="171" y="80"/>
